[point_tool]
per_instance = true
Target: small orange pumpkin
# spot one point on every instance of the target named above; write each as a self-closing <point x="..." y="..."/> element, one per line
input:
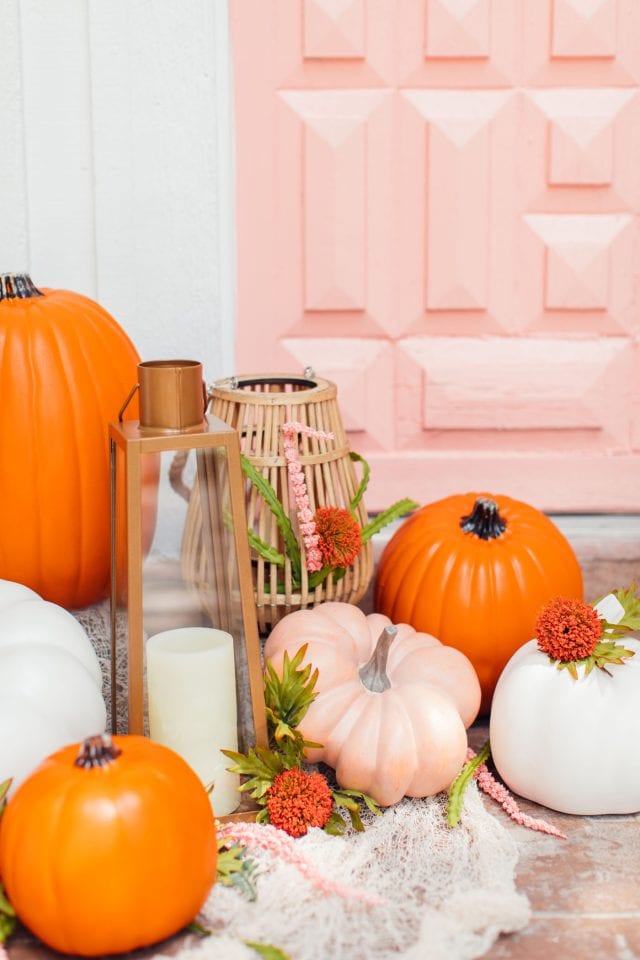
<point x="108" y="849"/>
<point x="66" y="367"/>
<point x="475" y="570"/>
<point x="392" y="704"/>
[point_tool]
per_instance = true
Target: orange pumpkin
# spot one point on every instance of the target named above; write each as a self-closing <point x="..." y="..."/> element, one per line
<point x="392" y="704"/>
<point x="109" y="849"/>
<point x="475" y="571"/>
<point x="65" y="369"/>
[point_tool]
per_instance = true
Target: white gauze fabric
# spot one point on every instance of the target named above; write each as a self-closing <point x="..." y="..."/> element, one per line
<point x="446" y="894"/>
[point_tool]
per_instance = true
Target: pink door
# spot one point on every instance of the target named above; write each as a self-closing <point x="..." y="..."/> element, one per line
<point x="437" y="207"/>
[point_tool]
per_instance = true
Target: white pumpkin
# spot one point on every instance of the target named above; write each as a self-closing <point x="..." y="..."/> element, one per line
<point x="50" y="681"/>
<point x="570" y="745"/>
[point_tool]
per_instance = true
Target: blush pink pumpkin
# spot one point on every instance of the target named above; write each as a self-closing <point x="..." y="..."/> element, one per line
<point x="393" y="705"/>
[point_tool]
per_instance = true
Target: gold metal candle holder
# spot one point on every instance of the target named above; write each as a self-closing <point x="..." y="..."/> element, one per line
<point x="149" y="593"/>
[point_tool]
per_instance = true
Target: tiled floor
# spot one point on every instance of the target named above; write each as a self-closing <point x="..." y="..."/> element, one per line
<point x="584" y="891"/>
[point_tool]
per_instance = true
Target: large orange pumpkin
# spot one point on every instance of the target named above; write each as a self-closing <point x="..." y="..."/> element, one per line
<point x="475" y="570"/>
<point x="108" y="849"/>
<point x="65" y="368"/>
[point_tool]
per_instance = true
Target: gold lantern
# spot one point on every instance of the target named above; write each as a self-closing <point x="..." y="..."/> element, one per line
<point x="186" y="653"/>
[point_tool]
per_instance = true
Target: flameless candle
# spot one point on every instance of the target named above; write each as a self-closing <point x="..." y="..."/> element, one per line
<point x="191" y="690"/>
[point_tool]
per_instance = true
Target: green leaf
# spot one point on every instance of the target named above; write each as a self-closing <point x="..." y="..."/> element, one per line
<point x="631" y="605"/>
<point x="8" y="919"/>
<point x="321" y="575"/>
<point x="267" y="951"/>
<point x="368" y="801"/>
<point x="7" y="926"/>
<point x="269" y="496"/>
<point x="287" y="699"/>
<point x="261" y="766"/>
<point x="335" y="825"/>
<point x="606" y="652"/>
<point x="265" y="550"/>
<point x="197" y="928"/>
<point x="391" y="513"/>
<point x="4" y="790"/>
<point x="5" y="906"/>
<point x="236" y="869"/>
<point x="356" y="821"/>
<point x="350" y="800"/>
<point x="289" y="696"/>
<point x="459" y="785"/>
<point x="364" y="483"/>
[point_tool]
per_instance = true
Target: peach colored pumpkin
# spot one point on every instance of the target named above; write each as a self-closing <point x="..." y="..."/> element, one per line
<point x="392" y="704"/>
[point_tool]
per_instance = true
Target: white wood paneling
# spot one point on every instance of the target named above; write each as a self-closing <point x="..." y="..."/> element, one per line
<point x="57" y="137"/>
<point x="14" y="249"/>
<point x="156" y="172"/>
<point x="116" y="162"/>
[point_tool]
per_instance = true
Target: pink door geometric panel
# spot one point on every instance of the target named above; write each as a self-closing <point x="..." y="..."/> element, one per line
<point x="438" y="208"/>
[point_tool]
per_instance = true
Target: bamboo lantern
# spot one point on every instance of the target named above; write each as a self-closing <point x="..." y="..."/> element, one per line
<point x="257" y="407"/>
<point x="193" y="673"/>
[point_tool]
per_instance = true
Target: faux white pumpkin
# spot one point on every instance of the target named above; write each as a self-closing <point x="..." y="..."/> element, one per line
<point x="571" y="745"/>
<point x="50" y="681"/>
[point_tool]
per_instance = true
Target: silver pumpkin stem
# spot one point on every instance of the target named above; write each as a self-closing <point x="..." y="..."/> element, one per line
<point x="373" y="675"/>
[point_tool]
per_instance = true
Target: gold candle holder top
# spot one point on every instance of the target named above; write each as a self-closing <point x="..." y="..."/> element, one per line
<point x="173" y="396"/>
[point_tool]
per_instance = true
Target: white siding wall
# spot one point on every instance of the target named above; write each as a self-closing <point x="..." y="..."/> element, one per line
<point x="116" y="164"/>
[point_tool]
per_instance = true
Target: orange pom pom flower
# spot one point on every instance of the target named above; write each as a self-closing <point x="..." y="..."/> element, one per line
<point x="340" y="537"/>
<point x="568" y="630"/>
<point x="299" y="800"/>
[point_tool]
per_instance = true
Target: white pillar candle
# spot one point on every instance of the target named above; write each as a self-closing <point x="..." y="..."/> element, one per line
<point x="191" y="690"/>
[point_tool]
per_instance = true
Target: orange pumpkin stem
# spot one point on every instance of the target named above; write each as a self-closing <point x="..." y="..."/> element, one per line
<point x="97" y="752"/>
<point x="18" y="286"/>
<point x="484" y="520"/>
<point x="373" y="675"/>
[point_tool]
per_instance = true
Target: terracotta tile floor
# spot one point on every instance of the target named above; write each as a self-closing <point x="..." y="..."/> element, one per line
<point x="584" y="891"/>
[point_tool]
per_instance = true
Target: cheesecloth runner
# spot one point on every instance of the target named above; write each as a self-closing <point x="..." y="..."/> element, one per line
<point x="444" y="894"/>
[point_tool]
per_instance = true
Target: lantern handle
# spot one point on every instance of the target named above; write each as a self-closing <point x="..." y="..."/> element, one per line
<point x="175" y="474"/>
<point x="124" y="406"/>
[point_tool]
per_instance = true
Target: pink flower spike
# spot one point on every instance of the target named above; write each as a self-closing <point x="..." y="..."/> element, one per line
<point x="267" y="838"/>
<point x="498" y="792"/>
<point x="295" y="473"/>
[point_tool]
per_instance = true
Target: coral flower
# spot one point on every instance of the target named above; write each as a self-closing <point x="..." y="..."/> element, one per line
<point x="299" y="800"/>
<point x="340" y="536"/>
<point x="568" y="629"/>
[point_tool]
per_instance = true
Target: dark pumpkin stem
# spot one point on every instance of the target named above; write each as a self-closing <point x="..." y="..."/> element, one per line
<point x="18" y="286"/>
<point x="484" y="520"/>
<point x="97" y="752"/>
<point x="374" y="673"/>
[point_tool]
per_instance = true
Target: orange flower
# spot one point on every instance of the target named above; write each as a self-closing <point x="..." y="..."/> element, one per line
<point x="299" y="800"/>
<point x="568" y="629"/>
<point x="340" y="536"/>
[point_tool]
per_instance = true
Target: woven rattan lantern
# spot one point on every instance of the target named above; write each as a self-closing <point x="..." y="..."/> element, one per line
<point x="191" y="650"/>
<point x="258" y="407"/>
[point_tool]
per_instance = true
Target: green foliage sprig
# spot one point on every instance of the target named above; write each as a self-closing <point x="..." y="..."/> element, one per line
<point x="8" y="919"/>
<point x="291" y="546"/>
<point x="270" y="497"/>
<point x="287" y="699"/>
<point x="461" y="782"/>
<point x="236" y="869"/>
